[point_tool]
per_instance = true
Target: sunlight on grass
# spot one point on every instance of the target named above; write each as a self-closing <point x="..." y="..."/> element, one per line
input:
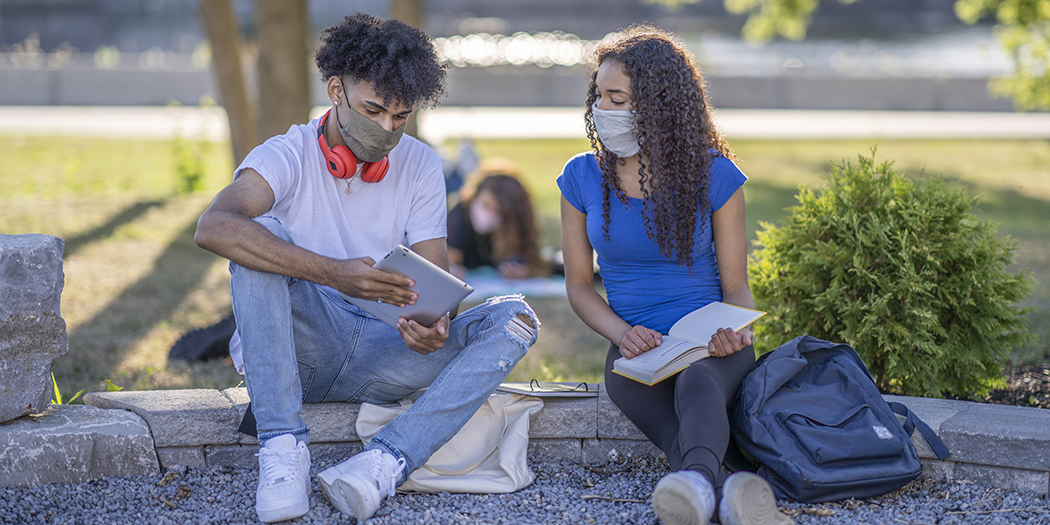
<point x="135" y="281"/>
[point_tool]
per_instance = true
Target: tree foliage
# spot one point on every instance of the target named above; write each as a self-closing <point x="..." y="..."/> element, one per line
<point x="1024" y="31"/>
<point x="768" y="19"/>
<point x="899" y="269"/>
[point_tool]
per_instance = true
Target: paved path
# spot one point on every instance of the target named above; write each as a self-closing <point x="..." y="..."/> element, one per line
<point x="505" y="122"/>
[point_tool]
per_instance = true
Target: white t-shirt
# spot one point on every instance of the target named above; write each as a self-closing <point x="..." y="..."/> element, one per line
<point x="407" y="206"/>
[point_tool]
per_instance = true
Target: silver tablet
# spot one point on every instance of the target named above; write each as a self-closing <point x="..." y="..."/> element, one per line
<point x="437" y="291"/>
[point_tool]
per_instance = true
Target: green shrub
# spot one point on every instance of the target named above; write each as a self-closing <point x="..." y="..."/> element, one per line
<point x="901" y="271"/>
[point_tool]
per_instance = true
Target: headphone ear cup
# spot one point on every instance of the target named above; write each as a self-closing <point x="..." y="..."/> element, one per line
<point x="340" y="161"/>
<point x="375" y="171"/>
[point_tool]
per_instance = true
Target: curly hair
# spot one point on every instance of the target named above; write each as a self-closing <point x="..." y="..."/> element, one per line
<point x="398" y="59"/>
<point x="677" y="137"/>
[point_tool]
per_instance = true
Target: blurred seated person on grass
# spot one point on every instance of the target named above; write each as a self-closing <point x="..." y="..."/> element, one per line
<point x="493" y="225"/>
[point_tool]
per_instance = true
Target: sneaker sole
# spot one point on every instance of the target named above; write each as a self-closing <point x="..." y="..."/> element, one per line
<point x="340" y="495"/>
<point x="286" y="513"/>
<point x="757" y="505"/>
<point x="673" y="502"/>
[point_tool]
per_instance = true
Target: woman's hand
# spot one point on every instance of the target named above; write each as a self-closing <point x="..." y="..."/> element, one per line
<point x="639" y="340"/>
<point x="513" y="269"/>
<point x="422" y="339"/>
<point x="727" y="342"/>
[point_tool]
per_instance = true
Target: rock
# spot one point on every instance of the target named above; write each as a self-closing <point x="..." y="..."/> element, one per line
<point x="32" y="331"/>
<point x="73" y="444"/>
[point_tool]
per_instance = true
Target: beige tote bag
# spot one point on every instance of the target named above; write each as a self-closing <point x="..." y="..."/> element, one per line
<point x="487" y="455"/>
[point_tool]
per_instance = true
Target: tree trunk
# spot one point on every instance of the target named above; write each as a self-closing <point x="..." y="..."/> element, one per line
<point x="412" y="13"/>
<point x="283" y="67"/>
<point x="220" y="25"/>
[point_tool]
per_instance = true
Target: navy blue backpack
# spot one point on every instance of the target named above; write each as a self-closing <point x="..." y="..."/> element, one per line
<point x="811" y="414"/>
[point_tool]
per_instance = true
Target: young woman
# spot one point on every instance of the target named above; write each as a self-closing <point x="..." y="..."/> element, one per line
<point x="494" y="225"/>
<point x="661" y="203"/>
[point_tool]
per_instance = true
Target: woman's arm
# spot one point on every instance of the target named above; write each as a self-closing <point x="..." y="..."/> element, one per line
<point x="730" y="238"/>
<point x="585" y="300"/>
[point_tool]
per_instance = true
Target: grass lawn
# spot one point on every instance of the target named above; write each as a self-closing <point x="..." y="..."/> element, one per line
<point x="134" y="280"/>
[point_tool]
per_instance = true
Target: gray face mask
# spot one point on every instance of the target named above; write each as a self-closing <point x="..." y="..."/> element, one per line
<point x="616" y="131"/>
<point x="368" y="141"/>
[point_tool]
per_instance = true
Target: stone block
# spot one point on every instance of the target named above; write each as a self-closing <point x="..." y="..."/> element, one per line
<point x="178" y="458"/>
<point x="564" y="448"/>
<point x="333" y="452"/>
<point x="328" y="422"/>
<point x="999" y="435"/>
<point x="1005" y="477"/>
<point x="178" y="418"/>
<point x="933" y="412"/>
<point x="612" y="423"/>
<point x="74" y="444"/>
<point x="232" y="456"/>
<point x="598" y="451"/>
<point x="565" y="417"/>
<point x="331" y="422"/>
<point x="32" y="331"/>
<point x="937" y="469"/>
<point x="239" y="398"/>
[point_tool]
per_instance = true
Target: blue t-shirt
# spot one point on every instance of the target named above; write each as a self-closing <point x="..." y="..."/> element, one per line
<point x="644" y="287"/>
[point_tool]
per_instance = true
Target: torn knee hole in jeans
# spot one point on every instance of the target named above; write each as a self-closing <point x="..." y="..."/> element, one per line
<point x="522" y="327"/>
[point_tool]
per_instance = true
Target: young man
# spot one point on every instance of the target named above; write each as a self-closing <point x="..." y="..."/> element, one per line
<point x="305" y="218"/>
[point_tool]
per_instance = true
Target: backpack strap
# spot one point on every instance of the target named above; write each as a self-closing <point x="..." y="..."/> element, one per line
<point x="912" y="422"/>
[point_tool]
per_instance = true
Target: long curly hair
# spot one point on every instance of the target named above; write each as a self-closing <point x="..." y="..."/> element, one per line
<point x="398" y="59"/>
<point x="677" y="137"/>
<point x="517" y="233"/>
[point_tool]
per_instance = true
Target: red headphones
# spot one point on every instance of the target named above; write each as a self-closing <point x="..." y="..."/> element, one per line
<point x="341" y="162"/>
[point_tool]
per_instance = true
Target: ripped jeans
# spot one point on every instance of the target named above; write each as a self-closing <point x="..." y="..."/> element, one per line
<point x="302" y="342"/>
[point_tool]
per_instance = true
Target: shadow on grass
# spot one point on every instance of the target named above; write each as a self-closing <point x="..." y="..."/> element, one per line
<point x="102" y="231"/>
<point x="766" y="203"/>
<point x="1014" y="214"/>
<point x="100" y="344"/>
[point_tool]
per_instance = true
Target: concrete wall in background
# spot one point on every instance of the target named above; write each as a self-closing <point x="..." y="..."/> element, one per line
<point x="517" y="86"/>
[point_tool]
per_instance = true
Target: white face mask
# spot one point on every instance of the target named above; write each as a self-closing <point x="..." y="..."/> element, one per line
<point x="616" y="131"/>
<point x="484" y="220"/>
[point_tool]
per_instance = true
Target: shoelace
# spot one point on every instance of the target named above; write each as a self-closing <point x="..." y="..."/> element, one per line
<point x="386" y="474"/>
<point x="279" y="464"/>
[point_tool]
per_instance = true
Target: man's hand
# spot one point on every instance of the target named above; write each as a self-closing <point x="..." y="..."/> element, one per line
<point x="639" y="340"/>
<point x="422" y="339"/>
<point x="357" y="278"/>
<point x="727" y="342"/>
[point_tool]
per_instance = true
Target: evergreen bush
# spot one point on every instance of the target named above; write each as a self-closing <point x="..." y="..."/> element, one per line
<point x="901" y="271"/>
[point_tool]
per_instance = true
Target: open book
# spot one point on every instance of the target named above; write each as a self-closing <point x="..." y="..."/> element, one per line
<point x="686" y="342"/>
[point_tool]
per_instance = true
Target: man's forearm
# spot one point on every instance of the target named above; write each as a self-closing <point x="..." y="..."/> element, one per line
<point x="251" y="245"/>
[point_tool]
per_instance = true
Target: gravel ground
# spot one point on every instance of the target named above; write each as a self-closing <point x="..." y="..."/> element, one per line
<point x="564" y="492"/>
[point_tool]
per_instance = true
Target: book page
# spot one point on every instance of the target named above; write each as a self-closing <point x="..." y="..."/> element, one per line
<point x="699" y="325"/>
<point x="669" y="349"/>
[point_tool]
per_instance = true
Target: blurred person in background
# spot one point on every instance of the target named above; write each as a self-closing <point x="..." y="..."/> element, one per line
<point x="494" y="225"/>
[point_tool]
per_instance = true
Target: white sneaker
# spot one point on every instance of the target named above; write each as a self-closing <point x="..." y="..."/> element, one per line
<point x="284" y="479"/>
<point x="684" y="498"/>
<point x="357" y="485"/>
<point x="747" y="499"/>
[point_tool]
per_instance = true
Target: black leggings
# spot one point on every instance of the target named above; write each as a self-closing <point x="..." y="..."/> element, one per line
<point x="685" y="416"/>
